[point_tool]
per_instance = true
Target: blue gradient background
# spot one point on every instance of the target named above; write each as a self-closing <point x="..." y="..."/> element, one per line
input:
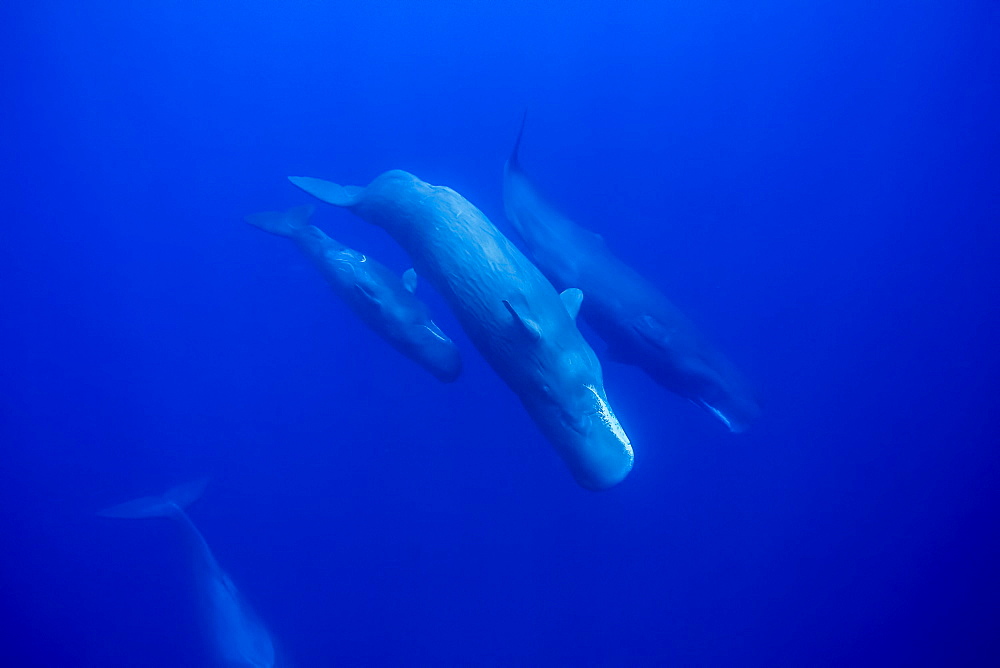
<point x="816" y="184"/>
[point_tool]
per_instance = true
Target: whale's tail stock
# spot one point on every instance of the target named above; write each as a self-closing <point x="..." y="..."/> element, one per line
<point x="168" y="505"/>
<point x="327" y="191"/>
<point x="283" y="223"/>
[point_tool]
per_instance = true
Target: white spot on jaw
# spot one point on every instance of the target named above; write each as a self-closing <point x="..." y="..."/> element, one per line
<point x="610" y="420"/>
<point x="717" y="413"/>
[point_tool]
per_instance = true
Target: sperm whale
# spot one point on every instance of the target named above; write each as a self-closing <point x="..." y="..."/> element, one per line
<point x="515" y="318"/>
<point x="383" y="300"/>
<point x="639" y="324"/>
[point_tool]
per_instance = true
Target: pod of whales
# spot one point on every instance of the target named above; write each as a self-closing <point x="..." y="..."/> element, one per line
<point x="510" y="311"/>
<point x="383" y="300"/>
<point x="236" y="634"/>
<point x="639" y="324"/>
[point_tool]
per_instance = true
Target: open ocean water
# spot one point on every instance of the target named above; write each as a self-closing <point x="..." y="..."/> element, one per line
<point x="816" y="185"/>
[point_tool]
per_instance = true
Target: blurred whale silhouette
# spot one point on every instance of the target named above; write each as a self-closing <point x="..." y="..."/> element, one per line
<point x="515" y="318"/>
<point x="383" y="300"/>
<point x="237" y="635"/>
<point x="639" y="324"/>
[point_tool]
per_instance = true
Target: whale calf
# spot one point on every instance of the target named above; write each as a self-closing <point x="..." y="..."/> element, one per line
<point x="383" y="300"/>
<point x="639" y="324"/>
<point x="510" y="311"/>
<point x="236" y="634"/>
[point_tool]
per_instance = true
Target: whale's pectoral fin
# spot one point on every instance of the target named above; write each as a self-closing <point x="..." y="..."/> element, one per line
<point x="410" y="280"/>
<point x="571" y="299"/>
<point x="329" y="192"/>
<point x="653" y="331"/>
<point x="528" y="326"/>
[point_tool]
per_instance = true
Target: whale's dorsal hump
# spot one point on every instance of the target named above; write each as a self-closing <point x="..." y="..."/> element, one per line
<point x="329" y="192"/>
<point x="528" y="326"/>
<point x="571" y="299"/>
<point x="410" y="280"/>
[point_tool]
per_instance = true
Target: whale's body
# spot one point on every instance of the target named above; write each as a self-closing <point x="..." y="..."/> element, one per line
<point x="639" y="324"/>
<point x="383" y="300"/>
<point x="510" y="311"/>
<point x="237" y="636"/>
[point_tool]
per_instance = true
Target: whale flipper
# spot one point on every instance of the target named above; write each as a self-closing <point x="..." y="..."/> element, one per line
<point x="283" y="223"/>
<point x="158" y="506"/>
<point x="410" y="280"/>
<point x="571" y="299"/>
<point x="327" y="191"/>
<point x="528" y="326"/>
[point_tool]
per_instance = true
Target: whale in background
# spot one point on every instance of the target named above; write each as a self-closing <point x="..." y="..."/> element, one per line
<point x="383" y="300"/>
<point x="639" y="324"/>
<point x="236" y="634"/>
<point x="510" y="311"/>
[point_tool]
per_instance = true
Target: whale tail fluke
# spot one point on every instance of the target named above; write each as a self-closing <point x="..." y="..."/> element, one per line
<point x="283" y="223"/>
<point x="327" y="191"/>
<point x="168" y="505"/>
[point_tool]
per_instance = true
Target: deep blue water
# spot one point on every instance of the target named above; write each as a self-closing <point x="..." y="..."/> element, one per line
<point x="817" y="185"/>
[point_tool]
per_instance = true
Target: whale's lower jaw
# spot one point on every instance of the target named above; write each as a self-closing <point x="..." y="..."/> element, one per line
<point x="717" y="413"/>
<point x="732" y="423"/>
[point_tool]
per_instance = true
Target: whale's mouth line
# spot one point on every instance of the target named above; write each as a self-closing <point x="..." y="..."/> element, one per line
<point x="436" y="332"/>
<point x="717" y="413"/>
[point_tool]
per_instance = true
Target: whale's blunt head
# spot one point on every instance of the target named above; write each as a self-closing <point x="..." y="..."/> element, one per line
<point x="582" y="424"/>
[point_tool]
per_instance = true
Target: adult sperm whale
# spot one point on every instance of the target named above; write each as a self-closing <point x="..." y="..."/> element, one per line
<point x="384" y="301"/>
<point x="237" y="635"/>
<point x="639" y="324"/>
<point x="512" y="314"/>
